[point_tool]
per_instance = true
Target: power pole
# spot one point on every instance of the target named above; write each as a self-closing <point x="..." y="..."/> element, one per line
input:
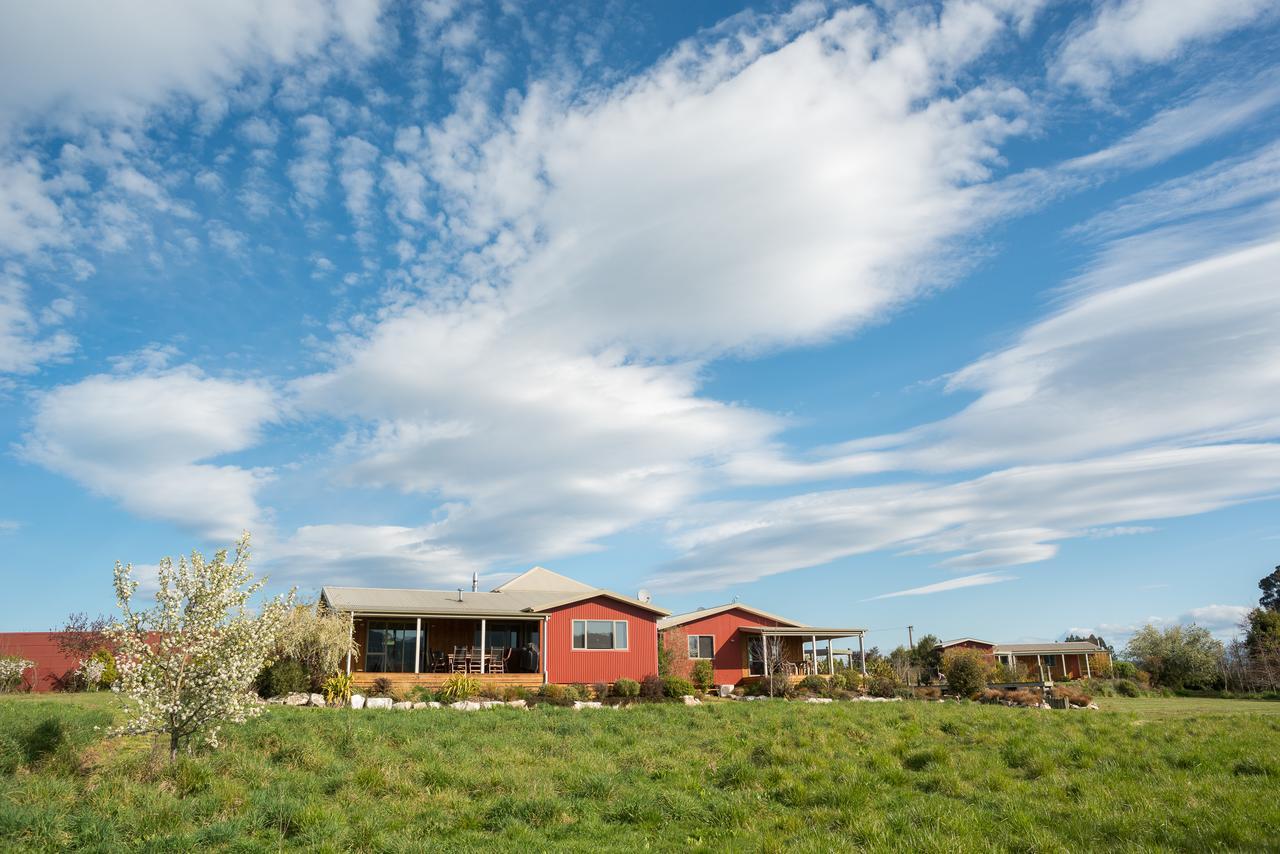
<point x="911" y="648"/>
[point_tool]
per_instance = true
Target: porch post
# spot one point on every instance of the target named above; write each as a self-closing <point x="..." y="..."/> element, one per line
<point x="813" y="647"/>
<point x="482" y="644"/>
<point x="417" y="647"/>
<point x="862" y="656"/>
<point x="831" y="662"/>
<point x="1088" y="668"/>
<point x="542" y="651"/>
<point x="352" y="636"/>
<point x="1040" y="664"/>
<point x="1066" y="674"/>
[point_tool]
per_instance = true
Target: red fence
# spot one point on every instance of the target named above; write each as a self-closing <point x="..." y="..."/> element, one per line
<point x="52" y="666"/>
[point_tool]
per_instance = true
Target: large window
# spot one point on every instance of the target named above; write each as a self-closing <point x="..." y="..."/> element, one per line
<point x="599" y="634"/>
<point x="702" y="646"/>
<point x="390" y="647"/>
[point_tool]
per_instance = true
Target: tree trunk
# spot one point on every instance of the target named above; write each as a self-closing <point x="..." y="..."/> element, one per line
<point x="173" y="745"/>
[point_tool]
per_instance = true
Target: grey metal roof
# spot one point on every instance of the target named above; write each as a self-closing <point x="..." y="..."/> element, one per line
<point x="820" y="632"/>
<point x="702" y="613"/>
<point x="955" y="641"/>
<point x="390" y="600"/>
<point x="1047" y="648"/>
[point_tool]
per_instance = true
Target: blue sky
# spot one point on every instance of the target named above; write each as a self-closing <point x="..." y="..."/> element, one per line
<point x="955" y="315"/>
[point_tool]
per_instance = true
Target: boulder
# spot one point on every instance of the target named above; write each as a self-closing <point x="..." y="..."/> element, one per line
<point x="296" y="699"/>
<point x="690" y="700"/>
<point x="1093" y="706"/>
<point x="588" y="704"/>
<point x="420" y="705"/>
<point x="491" y="704"/>
<point x="518" y="704"/>
<point x="357" y="701"/>
<point x="434" y="705"/>
<point x="316" y="700"/>
<point x="402" y="705"/>
<point x="378" y="703"/>
<point x="817" y="699"/>
<point x="466" y="706"/>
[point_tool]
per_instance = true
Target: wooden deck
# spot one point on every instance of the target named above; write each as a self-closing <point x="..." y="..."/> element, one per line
<point x="409" y="680"/>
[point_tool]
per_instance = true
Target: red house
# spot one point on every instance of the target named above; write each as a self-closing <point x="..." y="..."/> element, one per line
<point x="1044" y="662"/>
<point x="538" y="627"/>
<point x="736" y="638"/>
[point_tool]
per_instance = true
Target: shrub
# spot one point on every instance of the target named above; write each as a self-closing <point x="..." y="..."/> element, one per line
<point x="626" y="688"/>
<point x="515" y="692"/>
<point x="675" y="686"/>
<point x="283" y="677"/>
<point x="337" y="689"/>
<point x="381" y="687"/>
<point x="1127" y="688"/>
<point x="1177" y="656"/>
<point x="651" y="687"/>
<point x="776" y="685"/>
<point x="573" y="693"/>
<point x="601" y="690"/>
<point x="967" y="670"/>
<point x="552" y="692"/>
<point x="1124" y="670"/>
<point x="702" y="674"/>
<point x="11" y="669"/>
<point x="882" y="679"/>
<point x="109" y="671"/>
<point x="457" y="687"/>
<point x="812" y="684"/>
<point x="318" y="640"/>
<point x="1100" y="666"/>
<point x="1072" y="695"/>
<point x="1024" y="697"/>
<point x="929" y="693"/>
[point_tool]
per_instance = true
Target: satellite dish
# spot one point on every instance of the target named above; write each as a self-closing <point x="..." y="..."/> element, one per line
<point x="644" y="596"/>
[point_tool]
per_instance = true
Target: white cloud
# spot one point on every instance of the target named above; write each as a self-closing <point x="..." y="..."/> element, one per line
<point x="1011" y="516"/>
<point x="29" y="216"/>
<point x="981" y="579"/>
<point x="309" y="172"/>
<point x="54" y="56"/>
<point x="149" y="440"/>
<point x="26" y="341"/>
<point x="1126" y="34"/>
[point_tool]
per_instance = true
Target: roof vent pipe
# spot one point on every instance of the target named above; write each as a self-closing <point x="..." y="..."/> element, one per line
<point x="459" y="594"/>
<point x="475" y="581"/>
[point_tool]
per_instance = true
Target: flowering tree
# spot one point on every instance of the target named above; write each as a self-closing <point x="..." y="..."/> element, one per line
<point x="186" y="665"/>
<point x="11" y="669"/>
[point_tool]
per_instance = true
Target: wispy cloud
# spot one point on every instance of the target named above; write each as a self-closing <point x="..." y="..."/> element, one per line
<point x="978" y="580"/>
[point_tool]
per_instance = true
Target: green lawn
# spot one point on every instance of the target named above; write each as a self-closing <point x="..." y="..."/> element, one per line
<point x="1181" y="707"/>
<point x="767" y="776"/>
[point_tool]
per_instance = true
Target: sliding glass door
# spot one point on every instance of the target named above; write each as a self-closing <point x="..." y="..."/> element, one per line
<point x="391" y="646"/>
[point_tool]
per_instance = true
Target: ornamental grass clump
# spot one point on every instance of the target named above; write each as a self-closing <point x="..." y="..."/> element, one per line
<point x="187" y="665"/>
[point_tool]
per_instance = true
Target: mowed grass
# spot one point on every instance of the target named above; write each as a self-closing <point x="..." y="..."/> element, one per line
<point x="769" y="776"/>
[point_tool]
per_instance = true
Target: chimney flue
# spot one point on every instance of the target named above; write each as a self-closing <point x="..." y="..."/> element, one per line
<point x="475" y="582"/>
<point x="459" y="594"/>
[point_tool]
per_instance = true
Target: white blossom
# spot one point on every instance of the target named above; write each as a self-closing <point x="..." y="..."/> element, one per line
<point x="90" y="672"/>
<point x="11" y="669"/>
<point x="187" y="665"/>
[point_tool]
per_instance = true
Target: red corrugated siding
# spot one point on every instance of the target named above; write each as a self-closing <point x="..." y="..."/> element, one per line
<point x="983" y="647"/>
<point x="51" y="664"/>
<point x="568" y="665"/>
<point x="730" y="662"/>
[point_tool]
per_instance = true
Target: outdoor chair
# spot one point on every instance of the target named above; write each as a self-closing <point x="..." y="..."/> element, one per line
<point x="497" y="660"/>
<point x="439" y="661"/>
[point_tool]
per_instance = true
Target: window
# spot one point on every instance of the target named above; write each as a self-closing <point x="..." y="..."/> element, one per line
<point x="599" y="634"/>
<point x="702" y="646"/>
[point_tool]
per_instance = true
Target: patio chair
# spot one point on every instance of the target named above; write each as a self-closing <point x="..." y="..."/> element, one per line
<point x="475" y="660"/>
<point x="497" y="660"/>
<point x="439" y="661"/>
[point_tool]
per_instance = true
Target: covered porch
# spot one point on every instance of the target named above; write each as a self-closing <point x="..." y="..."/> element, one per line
<point x="795" y="650"/>
<point x="427" y="649"/>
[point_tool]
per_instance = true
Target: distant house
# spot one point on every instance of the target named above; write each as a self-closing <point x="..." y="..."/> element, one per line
<point x="1044" y="661"/>
<point x="538" y="627"/>
<point x="735" y="639"/>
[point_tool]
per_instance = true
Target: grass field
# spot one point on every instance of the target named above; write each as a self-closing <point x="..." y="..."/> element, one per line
<point x="1153" y="774"/>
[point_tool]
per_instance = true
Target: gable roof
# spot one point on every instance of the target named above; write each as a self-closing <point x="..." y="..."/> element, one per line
<point x="525" y="598"/>
<point x="703" y="613"/>
<point x="955" y="641"/>
<point x="541" y="578"/>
